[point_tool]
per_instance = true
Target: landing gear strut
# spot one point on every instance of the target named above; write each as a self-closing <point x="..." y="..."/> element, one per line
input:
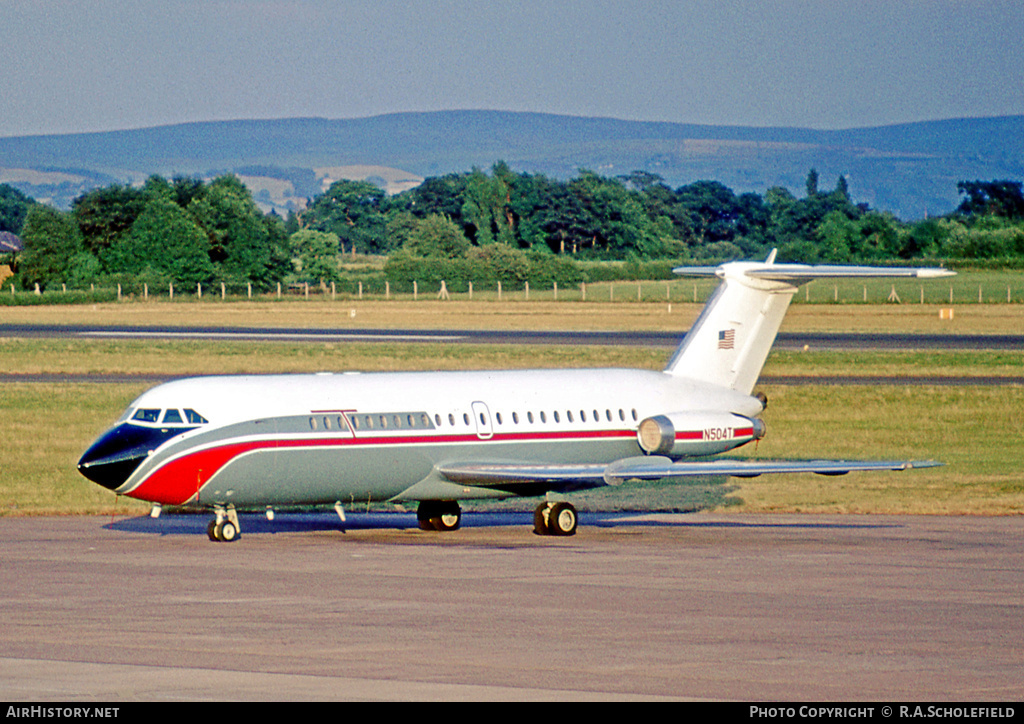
<point x="555" y="519"/>
<point x="224" y="528"/>
<point x="439" y="515"/>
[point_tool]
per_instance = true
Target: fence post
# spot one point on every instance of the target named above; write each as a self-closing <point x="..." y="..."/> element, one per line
<point x="332" y="291"/>
<point x="118" y="291"/>
<point x="583" y="291"/>
<point x="360" y="290"/>
<point x="199" y="291"/>
<point x="170" y="290"/>
<point x="471" y="290"/>
<point x="223" y="291"/>
<point x="555" y="288"/>
<point x="415" y="291"/>
<point x="145" y="290"/>
<point x="248" y="289"/>
<point x="499" y="291"/>
<point x="387" y="290"/>
<point x="527" y="291"/>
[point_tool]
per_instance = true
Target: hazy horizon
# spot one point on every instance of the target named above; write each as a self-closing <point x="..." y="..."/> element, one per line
<point x="79" y="66"/>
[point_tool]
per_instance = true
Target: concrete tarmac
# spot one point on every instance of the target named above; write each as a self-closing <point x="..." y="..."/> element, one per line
<point x="635" y="606"/>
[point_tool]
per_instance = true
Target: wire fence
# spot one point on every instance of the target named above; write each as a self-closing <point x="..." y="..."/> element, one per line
<point x="966" y="288"/>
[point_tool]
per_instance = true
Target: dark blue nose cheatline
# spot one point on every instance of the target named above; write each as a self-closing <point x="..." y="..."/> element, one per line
<point x="115" y="455"/>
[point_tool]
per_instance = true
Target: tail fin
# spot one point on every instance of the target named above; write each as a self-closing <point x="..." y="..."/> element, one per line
<point x="730" y="340"/>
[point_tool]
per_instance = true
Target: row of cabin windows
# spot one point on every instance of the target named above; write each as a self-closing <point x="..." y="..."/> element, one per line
<point x="379" y="421"/>
<point x="421" y="420"/>
<point x="595" y="416"/>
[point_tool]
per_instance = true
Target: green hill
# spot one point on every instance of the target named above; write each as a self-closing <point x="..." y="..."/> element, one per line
<point x="910" y="169"/>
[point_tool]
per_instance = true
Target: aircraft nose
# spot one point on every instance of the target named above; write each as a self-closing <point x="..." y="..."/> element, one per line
<point x="118" y="452"/>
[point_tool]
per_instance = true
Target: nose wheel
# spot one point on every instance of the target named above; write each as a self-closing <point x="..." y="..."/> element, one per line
<point x="224" y="528"/>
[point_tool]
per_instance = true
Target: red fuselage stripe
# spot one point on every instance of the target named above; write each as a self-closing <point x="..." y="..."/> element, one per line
<point x="181" y="478"/>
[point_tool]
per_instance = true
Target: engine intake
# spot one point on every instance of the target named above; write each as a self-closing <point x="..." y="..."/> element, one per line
<point x="682" y="434"/>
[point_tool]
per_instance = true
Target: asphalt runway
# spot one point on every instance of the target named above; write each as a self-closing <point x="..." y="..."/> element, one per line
<point x="669" y="340"/>
<point x="641" y="338"/>
<point x="696" y="606"/>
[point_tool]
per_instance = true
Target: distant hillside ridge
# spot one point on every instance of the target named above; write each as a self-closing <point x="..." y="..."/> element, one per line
<point x="909" y="169"/>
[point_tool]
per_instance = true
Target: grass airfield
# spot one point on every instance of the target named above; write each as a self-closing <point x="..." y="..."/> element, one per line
<point x="977" y="431"/>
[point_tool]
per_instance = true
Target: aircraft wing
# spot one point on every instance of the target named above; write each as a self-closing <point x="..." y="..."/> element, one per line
<point x="522" y="477"/>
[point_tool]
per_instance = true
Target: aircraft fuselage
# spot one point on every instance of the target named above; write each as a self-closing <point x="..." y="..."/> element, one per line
<point x="322" y="438"/>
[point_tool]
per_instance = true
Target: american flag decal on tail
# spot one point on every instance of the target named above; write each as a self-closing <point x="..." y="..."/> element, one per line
<point x="726" y="339"/>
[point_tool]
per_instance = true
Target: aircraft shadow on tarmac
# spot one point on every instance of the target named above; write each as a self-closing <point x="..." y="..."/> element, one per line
<point x="310" y="522"/>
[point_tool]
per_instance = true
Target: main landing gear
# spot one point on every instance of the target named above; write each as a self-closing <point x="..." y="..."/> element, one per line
<point x="439" y="515"/>
<point x="555" y="519"/>
<point x="224" y="528"/>
<point x="549" y="519"/>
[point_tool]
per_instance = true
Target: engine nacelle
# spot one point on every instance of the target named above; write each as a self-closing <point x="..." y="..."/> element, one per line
<point x="681" y="434"/>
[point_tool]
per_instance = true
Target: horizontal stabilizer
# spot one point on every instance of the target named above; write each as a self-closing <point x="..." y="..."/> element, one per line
<point x="802" y="273"/>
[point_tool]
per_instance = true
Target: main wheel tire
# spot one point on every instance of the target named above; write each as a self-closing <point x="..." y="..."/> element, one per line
<point x="448" y="516"/>
<point x="442" y="515"/>
<point x="540" y="520"/>
<point x="211" y="530"/>
<point x="562" y="519"/>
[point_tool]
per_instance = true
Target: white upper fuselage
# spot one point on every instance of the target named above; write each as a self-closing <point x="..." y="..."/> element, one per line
<point x="322" y="437"/>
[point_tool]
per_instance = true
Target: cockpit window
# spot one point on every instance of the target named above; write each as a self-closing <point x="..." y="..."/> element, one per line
<point x="171" y="416"/>
<point x="144" y="414"/>
<point x="194" y="417"/>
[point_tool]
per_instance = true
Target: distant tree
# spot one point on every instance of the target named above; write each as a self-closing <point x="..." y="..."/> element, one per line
<point x="14" y="206"/>
<point x="317" y="252"/>
<point x="352" y="211"/>
<point x="436" y="236"/>
<point x="164" y="243"/>
<point x="104" y="215"/>
<point x="812" y="183"/>
<point x="245" y="244"/>
<point x="486" y="211"/>
<point x="997" y="198"/>
<point x="439" y="195"/>
<point x="711" y="212"/>
<point x="52" y="242"/>
<point x="842" y="188"/>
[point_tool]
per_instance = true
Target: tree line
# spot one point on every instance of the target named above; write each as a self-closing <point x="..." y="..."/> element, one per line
<point x="489" y="226"/>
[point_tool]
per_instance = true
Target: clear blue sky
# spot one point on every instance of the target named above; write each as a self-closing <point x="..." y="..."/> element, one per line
<point x="90" y="65"/>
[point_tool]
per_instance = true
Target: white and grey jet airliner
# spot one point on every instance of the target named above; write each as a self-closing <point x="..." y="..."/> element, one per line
<point x="270" y="441"/>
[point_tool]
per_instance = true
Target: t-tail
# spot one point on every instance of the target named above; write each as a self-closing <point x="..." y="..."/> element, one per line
<point x="728" y="344"/>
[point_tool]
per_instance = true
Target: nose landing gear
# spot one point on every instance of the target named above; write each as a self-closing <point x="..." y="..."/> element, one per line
<point x="224" y="528"/>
